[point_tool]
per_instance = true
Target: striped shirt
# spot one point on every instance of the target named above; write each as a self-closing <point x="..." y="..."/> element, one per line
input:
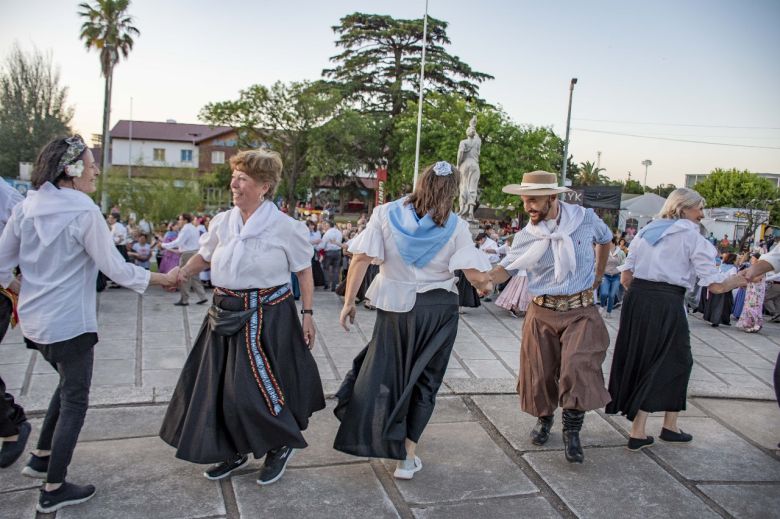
<point x="541" y="278"/>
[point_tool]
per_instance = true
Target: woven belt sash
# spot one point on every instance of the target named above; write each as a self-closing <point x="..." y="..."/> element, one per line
<point x="258" y="360"/>
<point x="565" y="303"/>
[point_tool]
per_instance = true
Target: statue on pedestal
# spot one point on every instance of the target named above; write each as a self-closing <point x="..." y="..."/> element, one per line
<point x="468" y="165"/>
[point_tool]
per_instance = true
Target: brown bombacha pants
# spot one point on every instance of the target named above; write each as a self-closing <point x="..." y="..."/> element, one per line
<point x="560" y="360"/>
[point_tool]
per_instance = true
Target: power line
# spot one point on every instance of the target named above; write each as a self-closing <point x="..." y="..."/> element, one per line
<point x="678" y="140"/>
<point x="679" y="124"/>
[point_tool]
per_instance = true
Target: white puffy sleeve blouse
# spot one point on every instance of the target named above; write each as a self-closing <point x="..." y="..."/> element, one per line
<point x="266" y="261"/>
<point x="396" y="286"/>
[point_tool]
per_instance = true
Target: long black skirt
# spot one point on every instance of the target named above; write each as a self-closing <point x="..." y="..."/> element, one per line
<point x="316" y="271"/>
<point x="217" y="409"/>
<point x="652" y="360"/>
<point x="467" y="294"/>
<point x="716" y="307"/>
<point x="390" y="393"/>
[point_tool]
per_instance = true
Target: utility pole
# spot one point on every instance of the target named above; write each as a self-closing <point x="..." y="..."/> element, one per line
<point x="598" y="159"/>
<point x="568" y="125"/>
<point x="646" y="163"/>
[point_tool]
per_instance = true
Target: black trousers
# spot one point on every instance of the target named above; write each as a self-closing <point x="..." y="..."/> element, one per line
<point x="11" y="414"/>
<point x="73" y="360"/>
<point x="331" y="264"/>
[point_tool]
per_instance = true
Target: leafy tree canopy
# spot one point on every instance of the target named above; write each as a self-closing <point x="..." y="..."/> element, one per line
<point x="380" y="64"/>
<point x="735" y="188"/>
<point x="508" y="149"/>
<point x="33" y="108"/>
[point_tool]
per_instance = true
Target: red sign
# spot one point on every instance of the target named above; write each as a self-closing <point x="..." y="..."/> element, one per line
<point x="381" y="178"/>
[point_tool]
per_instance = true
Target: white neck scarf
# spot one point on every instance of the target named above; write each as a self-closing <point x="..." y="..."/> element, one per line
<point x="559" y="239"/>
<point x="262" y="220"/>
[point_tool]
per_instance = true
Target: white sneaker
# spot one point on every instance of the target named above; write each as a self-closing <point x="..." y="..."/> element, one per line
<point x="405" y="469"/>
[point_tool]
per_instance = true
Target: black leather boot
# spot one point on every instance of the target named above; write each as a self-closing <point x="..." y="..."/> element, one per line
<point x="541" y="431"/>
<point x="572" y="423"/>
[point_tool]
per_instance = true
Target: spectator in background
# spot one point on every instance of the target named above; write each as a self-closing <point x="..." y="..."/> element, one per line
<point x="609" y="284"/>
<point x="141" y="252"/>
<point x="119" y="234"/>
<point x="717" y="307"/>
<point x="724" y="243"/>
<point x="186" y="244"/>
<point x="331" y="245"/>
<point x="169" y="258"/>
<point x="751" y="319"/>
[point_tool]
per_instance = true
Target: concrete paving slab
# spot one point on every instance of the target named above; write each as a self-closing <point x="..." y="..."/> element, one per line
<point x="460" y="461"/>
<point x="159" y="378"/>
<point x="18" y="504"/>
<point x="140" y="478"/>
<point x="505" y="508"/>
<point x="14" y="353"/>
<point x="164" y="358"/>
<point x="471" y="386"/>
<point x="630" y="485"/>
<point x="746" y="501"/>
<point x="157" y="340"/>
<point x="451" y="409"/>
<point x="13" y="375"/>
<point x="319" y="436"/>
<point x="758" y="421"/>
<point x="115" y="351"/>
<point x="504" y="413"/>
<point x="122" y="422"/>
<point x="715" y="454"/>
<point x="344" y="491"/>
<point x="488" y="368"/>
<point x="113" y="372"/>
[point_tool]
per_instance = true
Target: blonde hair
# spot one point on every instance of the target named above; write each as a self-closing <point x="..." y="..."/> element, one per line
<point x="262" y="165"/>
<point x="679" y="199"/>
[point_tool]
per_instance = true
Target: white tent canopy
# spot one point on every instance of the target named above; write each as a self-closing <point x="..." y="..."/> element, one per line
<point x="638" y="211"/>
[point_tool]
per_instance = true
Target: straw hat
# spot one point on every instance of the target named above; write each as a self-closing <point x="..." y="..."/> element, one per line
<point x="536" y="183"/>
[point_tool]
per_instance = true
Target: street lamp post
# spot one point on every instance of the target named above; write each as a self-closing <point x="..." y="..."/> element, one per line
<point x="646" y="163"/>
<point x="568" y="125"/>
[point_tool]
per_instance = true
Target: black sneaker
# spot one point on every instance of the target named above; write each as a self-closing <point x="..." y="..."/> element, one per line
<point x="675" y="437"/>
<point x="11" y="451"/>
<point x="275" y="463"/>
<point x="637" y="444"/>
<point x="224" y="469"/>
<point x="37" y="467"/>
<point x="68" y="494"/>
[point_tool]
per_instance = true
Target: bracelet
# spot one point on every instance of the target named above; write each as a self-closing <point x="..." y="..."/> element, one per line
<point x="309" y="311"/>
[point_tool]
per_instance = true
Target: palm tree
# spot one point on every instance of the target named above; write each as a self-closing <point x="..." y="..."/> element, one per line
<point x="108" y="28"/>
<point x="590" y="175"/>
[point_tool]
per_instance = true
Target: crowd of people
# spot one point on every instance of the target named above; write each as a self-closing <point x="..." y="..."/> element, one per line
<point x="250" y="384"/>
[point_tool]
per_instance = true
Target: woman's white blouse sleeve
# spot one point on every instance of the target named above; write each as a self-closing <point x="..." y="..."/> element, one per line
<point x="297" y="247"/>
<point x="466" y="255"/>
<point x="703" y="261"/>
<point x="210" y="239"/>
<point x="371" y="241"/>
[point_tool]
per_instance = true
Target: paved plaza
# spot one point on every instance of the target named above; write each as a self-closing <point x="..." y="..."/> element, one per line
<point x="477" y="456"/>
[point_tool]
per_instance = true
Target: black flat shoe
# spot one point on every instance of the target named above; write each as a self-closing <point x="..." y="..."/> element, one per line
<point x="202" y="302"/>
<point x="68" y="494"/>
<point x="275" y="463"/>
<point x="179" y="303"/>
<point x="37" y="467"/>
<point x="637" y="444"/>
<point x="673" y="437"/>
<point x="11" y="451"/>
<point x="224" y="469"/>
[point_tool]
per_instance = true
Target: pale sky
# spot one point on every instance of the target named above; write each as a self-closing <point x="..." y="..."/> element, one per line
<point x="702" y="70"/>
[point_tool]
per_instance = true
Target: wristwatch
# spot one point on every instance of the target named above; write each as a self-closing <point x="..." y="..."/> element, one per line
<point x="309" y="311"/>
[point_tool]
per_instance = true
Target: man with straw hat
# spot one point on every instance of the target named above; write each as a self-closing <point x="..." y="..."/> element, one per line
<point x="564" y="338"/>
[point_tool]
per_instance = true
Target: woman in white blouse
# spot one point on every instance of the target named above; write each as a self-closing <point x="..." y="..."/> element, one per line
<point x="59" y="240"/>
<point x="387" y="398"/>
<point x="652" y="360"/>
<point x="250" y="383"/>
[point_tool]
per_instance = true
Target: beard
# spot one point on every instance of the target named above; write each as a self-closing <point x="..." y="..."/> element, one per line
<point x="541" y="214"/>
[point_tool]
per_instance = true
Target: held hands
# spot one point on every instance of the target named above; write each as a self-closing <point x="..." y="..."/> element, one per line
<point x="171" y="279"/>
<point x="740" y="280"/>
<point x="349" y="311"/>
<point x="308" y="330"/>
<point x="485" y="288"/>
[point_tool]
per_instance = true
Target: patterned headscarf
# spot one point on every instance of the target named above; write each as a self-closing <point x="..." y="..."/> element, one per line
<point x="76" y="147"/>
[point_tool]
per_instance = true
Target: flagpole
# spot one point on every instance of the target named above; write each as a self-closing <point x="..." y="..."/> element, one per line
<point x="420" y="99"/>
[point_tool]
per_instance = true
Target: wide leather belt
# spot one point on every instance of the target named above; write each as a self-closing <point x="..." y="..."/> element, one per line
<point x="565" y="303"/>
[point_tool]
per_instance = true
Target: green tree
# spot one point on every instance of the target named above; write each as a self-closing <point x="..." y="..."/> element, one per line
<point x="663" y="189"/>
<point x="379" y="67"/>
<point x="633" y="187"/>
<point x="742" y="190"/>
<point x="107" y="28"/>
<point x="282" y="117"/>
<point x="33" y="108"/>
<point x="156" y="199"/>
<point x="508" y="150"/>
<point x="589" y="175"/>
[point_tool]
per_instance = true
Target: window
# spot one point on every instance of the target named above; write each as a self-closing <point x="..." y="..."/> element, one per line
<point x="186" y="155"/>
<point x="217" y="157"/>
<point x="159" y="154"/>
